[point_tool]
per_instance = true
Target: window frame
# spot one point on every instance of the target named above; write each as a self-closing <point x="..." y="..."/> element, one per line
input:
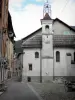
<point x="36" y="54"/>
<point x="57" y="56"/>
<point x="47" y="27"/>
<point x="30" y="67"/>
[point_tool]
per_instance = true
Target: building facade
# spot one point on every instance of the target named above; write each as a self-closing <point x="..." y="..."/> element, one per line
<point x="10" y="46"/>
<point x="49" y="52"/>
<point x="5" y="39"/>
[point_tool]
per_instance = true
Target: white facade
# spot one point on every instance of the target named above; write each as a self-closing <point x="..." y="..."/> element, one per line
<point x="60" y="68"/>
<point x="60" y="28"/>
<point x="29" y="58"/>
<point x="46" y="67"/>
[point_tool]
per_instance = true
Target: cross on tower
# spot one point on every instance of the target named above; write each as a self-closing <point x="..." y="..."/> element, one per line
<point x="47" y="8"/>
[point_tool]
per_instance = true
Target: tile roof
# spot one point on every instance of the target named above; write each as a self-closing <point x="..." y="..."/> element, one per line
<point x="10" y="26"/>
<point x="58" y="41"/>
<point x="64" y="41"/>
<point x="73" y="27"/>
<point x="34" y="42"/>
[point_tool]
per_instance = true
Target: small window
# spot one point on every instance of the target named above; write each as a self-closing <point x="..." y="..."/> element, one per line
<point x="16" y="68"/>
<point x="57" y="56"/>
<point x="47" y="26"/>
<point x="30" y="66"/>
<point x="36" y="55"/>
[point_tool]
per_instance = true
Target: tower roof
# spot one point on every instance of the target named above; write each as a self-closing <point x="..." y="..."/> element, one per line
<point x="46" y="17"/>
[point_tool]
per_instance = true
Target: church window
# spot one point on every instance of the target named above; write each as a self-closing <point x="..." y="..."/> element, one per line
<point x="36" y="55"/>
<point x="30" y="66"/>
<point x="57" y="56"/>
<point x="74" y="56"/>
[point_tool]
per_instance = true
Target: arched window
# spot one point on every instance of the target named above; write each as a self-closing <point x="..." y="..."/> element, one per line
<point x="57" y="56"/>
<point x="74" y="56"/>
<point x="36" y="55"/>
<point x="47" y="26"/>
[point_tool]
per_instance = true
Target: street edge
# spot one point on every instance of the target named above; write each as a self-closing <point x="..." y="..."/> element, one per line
<point x="1" y="93"/>
<point x="31" y="87"/>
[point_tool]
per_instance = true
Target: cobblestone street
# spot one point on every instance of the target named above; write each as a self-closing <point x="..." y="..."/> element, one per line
<point x="52" y="91"/>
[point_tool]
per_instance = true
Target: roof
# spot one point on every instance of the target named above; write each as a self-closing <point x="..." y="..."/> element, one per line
<point x="64" y="41"/>
<point x="58" y="41"/>
<point x="70" y="27"/>
<point x="34" y="42"/>
<point x="32" y="33"/>
<point x="46" y="17"/>
<point x="10" y="26"/>
<point x="73" y="27"/>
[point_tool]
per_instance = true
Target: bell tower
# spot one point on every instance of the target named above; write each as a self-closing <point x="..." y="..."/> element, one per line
<point x="47" y="43"/>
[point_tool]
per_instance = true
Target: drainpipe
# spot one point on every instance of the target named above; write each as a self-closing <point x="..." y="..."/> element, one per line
<point x="40" y="66"/>
<point x="1" y="37"/>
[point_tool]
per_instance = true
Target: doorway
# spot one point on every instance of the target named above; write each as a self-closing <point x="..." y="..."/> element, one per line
<point x="29" y="79"/>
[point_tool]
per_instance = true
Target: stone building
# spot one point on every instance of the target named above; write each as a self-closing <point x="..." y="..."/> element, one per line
<point x="5" y="39"/>
<point x="10" y="45"/>
<point x="49" y="52"/>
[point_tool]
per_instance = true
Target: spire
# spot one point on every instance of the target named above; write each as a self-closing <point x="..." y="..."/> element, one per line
<point x="47" y="17"/>
<point x="47" y="10"/>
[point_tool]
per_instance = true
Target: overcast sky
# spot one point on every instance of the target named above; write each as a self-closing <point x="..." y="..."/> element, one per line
<point x="26" y="14"/>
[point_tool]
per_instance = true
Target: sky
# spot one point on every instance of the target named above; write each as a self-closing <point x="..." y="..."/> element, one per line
<point x="26" y="14"/>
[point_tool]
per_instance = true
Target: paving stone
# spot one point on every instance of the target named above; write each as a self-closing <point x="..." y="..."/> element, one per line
<point x="53" y="91"/>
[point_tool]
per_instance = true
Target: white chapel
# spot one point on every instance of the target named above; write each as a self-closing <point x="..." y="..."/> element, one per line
<point x="49" y="52"/>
